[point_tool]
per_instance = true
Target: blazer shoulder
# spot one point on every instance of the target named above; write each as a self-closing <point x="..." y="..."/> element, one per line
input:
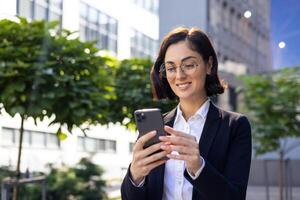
<point x="233" y="117"/>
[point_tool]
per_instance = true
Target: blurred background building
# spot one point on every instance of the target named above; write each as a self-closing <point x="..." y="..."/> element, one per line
<point x="240" y="30"/>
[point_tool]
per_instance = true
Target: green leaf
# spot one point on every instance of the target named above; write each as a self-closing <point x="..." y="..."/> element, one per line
<point x="61" y="136"/>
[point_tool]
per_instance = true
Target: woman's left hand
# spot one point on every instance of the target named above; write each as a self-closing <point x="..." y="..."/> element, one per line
<point x="186" y="146"/>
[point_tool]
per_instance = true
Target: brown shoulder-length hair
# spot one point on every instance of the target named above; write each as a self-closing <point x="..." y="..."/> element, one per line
<point x="200" y="43"/>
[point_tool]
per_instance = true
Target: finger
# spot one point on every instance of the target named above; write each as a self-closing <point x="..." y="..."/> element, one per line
<point x="153" y="148"/>
<point x="142" y="140"/>
<point x="178" y="157"/>
<point x="155" y="164"/>
<point x="178" y="133"/>
<point x="154" y="157"/>
<point x="184" y="150"/>
<point x="175" y="140"/>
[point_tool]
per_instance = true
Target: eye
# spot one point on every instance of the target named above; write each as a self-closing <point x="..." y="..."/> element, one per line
<point x="170" y="68"/>
<point x="189" y="66"/>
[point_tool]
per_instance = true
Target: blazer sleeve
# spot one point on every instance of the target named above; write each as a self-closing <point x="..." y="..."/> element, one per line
<point x="131" y="192"/>
<point x="232" y="182"/>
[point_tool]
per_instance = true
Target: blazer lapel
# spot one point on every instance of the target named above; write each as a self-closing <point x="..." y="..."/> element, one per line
<point x="210" y="129"/>
<point x="169" y="117"/>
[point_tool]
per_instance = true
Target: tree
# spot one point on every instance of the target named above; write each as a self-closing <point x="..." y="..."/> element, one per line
<point x="46" y="73"/>
<point x="273" y="101"/>
<point x="133" y="91"/>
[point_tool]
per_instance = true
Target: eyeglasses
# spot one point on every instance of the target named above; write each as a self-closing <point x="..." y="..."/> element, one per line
<point x="188" y="66"/>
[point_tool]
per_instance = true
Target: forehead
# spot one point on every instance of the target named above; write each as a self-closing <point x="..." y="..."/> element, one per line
<point x="178" y="51"/>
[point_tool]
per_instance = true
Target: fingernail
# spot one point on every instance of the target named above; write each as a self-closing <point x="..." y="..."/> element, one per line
<point x="153" y="132"/>
<point x="163" y="146"/>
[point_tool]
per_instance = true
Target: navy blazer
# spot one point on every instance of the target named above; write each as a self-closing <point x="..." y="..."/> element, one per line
<point x="225" y="145"/>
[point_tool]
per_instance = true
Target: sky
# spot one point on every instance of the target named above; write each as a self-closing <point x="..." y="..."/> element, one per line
<point x="285" y="26"/>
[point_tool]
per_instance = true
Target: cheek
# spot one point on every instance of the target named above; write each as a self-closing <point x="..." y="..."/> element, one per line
<point x="200" y="80"/>
<point x="170" y="81"/>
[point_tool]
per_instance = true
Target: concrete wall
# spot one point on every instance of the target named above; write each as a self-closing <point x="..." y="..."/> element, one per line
<point x="190" y="13"/>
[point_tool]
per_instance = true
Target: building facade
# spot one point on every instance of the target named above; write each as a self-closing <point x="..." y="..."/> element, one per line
<point x="238" y="37"/>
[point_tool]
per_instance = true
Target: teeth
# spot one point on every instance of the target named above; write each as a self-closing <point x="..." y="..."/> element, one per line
<point x="183" y="85"/>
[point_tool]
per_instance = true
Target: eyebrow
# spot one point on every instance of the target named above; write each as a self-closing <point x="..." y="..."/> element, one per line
<point x="183" y="59"/>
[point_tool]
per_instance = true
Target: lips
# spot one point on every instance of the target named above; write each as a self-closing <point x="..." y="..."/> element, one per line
<point x="183" y="85"/>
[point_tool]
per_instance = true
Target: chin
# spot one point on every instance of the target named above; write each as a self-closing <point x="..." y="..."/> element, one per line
<point x="185" y="96"/>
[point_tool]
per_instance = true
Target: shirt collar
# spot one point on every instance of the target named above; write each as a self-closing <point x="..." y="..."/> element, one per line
<point x="201" y="112"/>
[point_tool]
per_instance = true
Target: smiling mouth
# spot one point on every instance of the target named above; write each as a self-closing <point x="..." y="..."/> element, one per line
<point x="183" y="85"/>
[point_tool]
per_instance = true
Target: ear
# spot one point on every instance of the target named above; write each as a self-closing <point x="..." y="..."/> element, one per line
<point x="209" y="65"/>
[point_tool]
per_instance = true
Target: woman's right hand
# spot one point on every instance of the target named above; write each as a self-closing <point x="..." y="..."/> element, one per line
<point x="142" y="163"/>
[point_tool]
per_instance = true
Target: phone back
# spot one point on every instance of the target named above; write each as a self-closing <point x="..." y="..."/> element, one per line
<point x="148" y="120"/>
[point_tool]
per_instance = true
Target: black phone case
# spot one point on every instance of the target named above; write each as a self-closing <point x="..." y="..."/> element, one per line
<point x="148" y="120"/>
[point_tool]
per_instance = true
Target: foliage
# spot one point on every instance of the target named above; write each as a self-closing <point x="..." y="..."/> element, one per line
<point x="82" y="182"/>
<point x="273" y="101"/>
<point x="133" y="91"/>
<point x="6" y="172"/>
<point x="43" y="72"/>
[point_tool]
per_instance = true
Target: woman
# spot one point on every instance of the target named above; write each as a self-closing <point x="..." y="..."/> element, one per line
<point x="209" y="149"/>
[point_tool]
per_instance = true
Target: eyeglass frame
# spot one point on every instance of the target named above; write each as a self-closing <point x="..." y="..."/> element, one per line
<point x="164" y="71"/>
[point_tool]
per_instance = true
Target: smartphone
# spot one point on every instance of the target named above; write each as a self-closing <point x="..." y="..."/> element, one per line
<point x="149" y="120"/>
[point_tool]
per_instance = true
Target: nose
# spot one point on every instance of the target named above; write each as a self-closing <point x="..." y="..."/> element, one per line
<point x="180" y="73"/>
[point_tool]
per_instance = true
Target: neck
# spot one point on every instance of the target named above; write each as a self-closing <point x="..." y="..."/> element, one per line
<point x="190" y="107"/>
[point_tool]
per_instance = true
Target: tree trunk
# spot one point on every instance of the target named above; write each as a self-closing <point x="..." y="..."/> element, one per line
<point x="280" y="174"/>
<point x="18" y="174"/>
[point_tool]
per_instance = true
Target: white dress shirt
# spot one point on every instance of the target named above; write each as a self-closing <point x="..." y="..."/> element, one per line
<point x="176" y="187"/>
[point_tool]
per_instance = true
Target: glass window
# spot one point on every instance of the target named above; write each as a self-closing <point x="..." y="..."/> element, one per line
<point x="54" y="16"/>
<point x="90" y="144"/>
<point x="83" y="10"/>
<point x="93" y="15"/>
<point x="40" y="12"/>
<point x="26" y="137"/>
<point x="147" y="5"/>
<point x="25" y="8"/>
<point x="101" y="145"/>
<point x="52" y="140"/>
<point x="98" y="26"/>
<point x="112" y="45"/>
<point x="38" y="139"/>
<point x="142" y="45"/>
<point x="155" y="6"/>
<point x="113" y="26"/>
<point x="103" y="41"/>
<point x="80" y="144"/>
<point x="131" y="145"/>
<point x="104" y="22"/>
<point x="7" y="136"/>
<point x="56" y="3"/>
<point x="111" y="146"/>
<point x="40" y="9"/>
